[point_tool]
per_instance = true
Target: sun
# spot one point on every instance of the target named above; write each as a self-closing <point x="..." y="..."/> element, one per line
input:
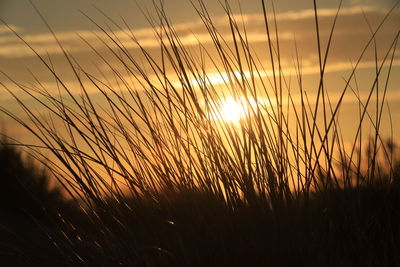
<point x="232" y="111"/>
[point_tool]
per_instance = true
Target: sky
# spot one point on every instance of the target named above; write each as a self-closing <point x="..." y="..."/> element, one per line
<point x="69" y="20"/>
<point x="64" y="15"/>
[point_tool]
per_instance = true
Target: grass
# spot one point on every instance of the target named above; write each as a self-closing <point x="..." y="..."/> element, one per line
<point x="157" y="180"/>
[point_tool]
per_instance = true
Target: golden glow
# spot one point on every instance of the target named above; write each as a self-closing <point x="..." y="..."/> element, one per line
<point x="233" y="110"/>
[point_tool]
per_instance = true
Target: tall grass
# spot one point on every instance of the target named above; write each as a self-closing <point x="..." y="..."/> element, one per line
<point x="155" y="141"/>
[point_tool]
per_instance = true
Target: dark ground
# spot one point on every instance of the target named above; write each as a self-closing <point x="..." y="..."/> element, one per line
<point x="354" y="227"/>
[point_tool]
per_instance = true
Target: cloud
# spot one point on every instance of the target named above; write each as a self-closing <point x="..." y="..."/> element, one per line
<point x="190" y="32"/>
<point x="349" y="40"/>
<point x="6" y="30"/>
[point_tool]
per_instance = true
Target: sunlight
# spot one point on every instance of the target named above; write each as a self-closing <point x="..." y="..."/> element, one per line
<point x="233" y="110"/>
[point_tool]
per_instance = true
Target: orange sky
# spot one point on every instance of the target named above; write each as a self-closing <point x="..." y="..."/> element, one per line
<point x="295" y="23"/>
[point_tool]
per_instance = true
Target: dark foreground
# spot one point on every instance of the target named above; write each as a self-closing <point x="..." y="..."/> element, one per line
<point x="352" y="227"/>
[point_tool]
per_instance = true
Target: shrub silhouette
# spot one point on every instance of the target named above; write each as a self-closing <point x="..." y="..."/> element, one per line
<point x="33" y="211"/>
<point x="25" y="189"/>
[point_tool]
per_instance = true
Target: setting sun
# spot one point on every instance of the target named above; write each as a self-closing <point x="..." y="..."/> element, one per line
<point x="232" y="111"/>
